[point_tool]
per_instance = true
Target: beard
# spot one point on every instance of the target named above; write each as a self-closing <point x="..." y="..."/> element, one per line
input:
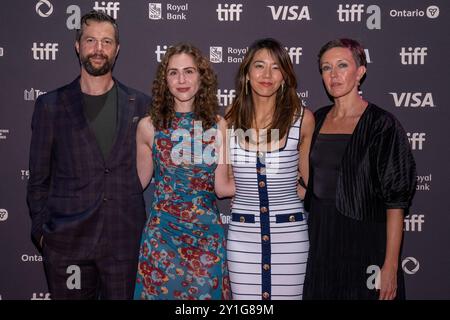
<point x="100" y="71"/>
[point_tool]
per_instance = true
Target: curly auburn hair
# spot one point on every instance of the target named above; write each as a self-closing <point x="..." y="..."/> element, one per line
<point x="206" y="105"/>
<point x="242" y="113"/>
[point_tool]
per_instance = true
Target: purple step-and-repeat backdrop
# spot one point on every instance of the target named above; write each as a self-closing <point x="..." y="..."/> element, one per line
<point x="407" y="45"/>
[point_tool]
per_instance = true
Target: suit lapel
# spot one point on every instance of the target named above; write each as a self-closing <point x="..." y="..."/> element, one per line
<point x="125" y="103"/>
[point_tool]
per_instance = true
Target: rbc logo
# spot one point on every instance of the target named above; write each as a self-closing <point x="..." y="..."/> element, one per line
<point x="154" y="11"/>
<point x="48" y="6"/>
<point x="45" y="51"/>
<point x="110" y="8"/>
<point x="352" y="13"/>
<point x="295" y="13"/>
<point x="229" y="12"/>
<point x="413" y="55"/>
<point x="216" y="54"/>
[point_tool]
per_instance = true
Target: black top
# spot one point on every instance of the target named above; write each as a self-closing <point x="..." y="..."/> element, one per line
<point x="326" y="159"/>
<point x="101" y="112"/>
<point x="377" y="170"/>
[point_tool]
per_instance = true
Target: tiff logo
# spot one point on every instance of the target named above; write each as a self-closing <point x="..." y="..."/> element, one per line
<point x="45" y="51"/>
<point x="229" y="12"/>
<point x="110" y="8"/>
<point x="413" y="55"/>
<point x="416" y="140"/>
<point x="226" y="97"/>
<point x="160" y="52"/>
<point x="32" y="94"/>
<point x="42" y="296"/>
<point x="413" y="222"/>
<point x="354" y="12"/>
<point x="294" y="54"/>
<point x="413" y="99"/>
<point x="289" y="13"/>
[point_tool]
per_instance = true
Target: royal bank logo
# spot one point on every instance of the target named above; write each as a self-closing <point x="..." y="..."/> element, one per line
<point x="32" y="94"/>
<point x="431" y="12"/>
<point x="109" y="7"/>
<point x="226" y="54"/>
<point x="44" y="8"/>
<point x="289" y="13"/>
<point x="424" y="182"/>
<point x="3" y="215"/>
<point x="356" y="13"/>
<point x="410" y="265"/>
<point x="226" y="96"/>
<point x="155" y="11"/>
<point x="414" y="222"/>
<point x="173" y="11"/>
<point x="413" y="99"/>
<point x="412" y="55"/>
<point x="229" y="12"/>
<point x="44" y="51"/>
<point x="416" y="140"/>
<point x="303" y="96"/>
<point x="216" y="54"/>
<point x="40" y="296"/>
<point x="4" y="134"/>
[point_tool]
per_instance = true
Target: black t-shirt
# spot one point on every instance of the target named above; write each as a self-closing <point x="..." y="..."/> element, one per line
<point x="101" y="112"/>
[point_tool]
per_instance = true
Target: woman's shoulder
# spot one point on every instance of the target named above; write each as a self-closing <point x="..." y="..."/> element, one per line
<point x="382" y="116"/>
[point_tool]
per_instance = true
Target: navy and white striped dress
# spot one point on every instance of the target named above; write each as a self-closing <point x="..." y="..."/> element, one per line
<point x="267" y="244"/>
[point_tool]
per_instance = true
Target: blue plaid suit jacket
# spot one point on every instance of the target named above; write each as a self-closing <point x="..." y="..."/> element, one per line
<point x="74" y="194"/>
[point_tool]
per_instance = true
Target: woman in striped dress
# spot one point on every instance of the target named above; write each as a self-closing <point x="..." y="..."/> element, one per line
<point x="267" y="243"/>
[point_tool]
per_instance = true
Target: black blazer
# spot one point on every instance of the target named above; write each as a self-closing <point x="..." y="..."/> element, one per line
<point x="74" y="194"/>
<point x="377" y="171"/>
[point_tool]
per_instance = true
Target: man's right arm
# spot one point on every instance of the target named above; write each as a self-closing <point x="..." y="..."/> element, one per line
<point x="40" y="167"/>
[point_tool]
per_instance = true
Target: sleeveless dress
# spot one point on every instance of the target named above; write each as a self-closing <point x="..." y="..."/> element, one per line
<point x="182" y="254"/>
<point x="267" y="244"/>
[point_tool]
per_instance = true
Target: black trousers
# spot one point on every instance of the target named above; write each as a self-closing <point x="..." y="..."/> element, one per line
<point x="98" y="276"/>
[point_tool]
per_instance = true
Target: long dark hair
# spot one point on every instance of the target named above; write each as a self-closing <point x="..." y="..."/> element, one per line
<point x="288" y="106"/>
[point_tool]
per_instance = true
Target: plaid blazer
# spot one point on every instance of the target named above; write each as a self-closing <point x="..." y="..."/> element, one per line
<point x="74" y="194"/>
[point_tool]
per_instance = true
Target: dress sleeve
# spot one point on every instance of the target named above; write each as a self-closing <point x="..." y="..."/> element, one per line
<point x="396" y="167"/>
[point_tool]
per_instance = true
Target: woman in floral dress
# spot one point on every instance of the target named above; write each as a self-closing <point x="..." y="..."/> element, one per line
<point x="182" y="254"/>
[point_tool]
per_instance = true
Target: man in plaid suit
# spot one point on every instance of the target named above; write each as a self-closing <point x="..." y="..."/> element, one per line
<point x="84" y="195"/>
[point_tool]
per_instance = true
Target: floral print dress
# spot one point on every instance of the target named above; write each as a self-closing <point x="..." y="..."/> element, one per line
<point x="182" y="254"/>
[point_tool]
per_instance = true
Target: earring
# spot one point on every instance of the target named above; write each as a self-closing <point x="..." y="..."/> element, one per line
<point x="282" y="87"/>
<point x="246" y="87"/>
